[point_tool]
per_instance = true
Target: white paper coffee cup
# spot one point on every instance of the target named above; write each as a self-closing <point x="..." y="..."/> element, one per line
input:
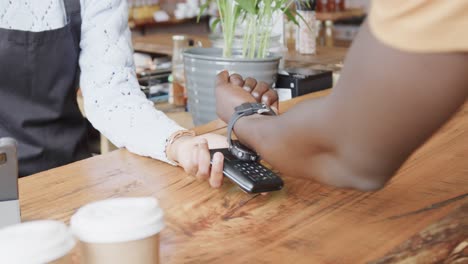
<point x="121" y="230"/>
<point x="44" y="241"/>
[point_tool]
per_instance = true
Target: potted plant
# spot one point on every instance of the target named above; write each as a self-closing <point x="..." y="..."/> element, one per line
<point x="253" y="59"/>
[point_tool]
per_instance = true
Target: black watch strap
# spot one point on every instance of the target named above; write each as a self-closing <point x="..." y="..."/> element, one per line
<point x="246" y="109"/>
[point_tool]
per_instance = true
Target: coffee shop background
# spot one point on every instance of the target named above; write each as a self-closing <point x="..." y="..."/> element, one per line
<point x="163" y="29"/>
<point x="179" y="16"/>
<point x="416" y="217"/>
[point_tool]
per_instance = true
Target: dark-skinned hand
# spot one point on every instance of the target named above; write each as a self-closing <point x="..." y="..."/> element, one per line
<point x="233" y="90"/>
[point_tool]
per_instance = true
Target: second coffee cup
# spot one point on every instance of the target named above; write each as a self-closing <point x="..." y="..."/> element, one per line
<point x="43" y="241"/>
<point x="119" y="231"/>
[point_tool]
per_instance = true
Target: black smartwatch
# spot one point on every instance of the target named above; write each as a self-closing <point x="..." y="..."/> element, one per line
<point x="235" y="147"/>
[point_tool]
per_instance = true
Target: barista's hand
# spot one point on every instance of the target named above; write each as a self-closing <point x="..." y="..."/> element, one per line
<point x="232" y="91"/>
<point x="193" y="155"/>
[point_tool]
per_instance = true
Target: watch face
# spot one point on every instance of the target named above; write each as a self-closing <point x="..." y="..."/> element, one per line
<point x="242" y="152"/>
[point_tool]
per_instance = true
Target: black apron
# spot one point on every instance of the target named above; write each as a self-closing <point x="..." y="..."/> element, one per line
<point x="38" y="82"/>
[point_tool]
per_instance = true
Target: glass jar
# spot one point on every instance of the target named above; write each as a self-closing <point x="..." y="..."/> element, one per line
<point x="306" y="35"/>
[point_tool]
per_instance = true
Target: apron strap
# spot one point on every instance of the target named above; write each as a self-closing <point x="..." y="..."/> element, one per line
<point x="72" y="7"/>
<point x="73" y="13"/>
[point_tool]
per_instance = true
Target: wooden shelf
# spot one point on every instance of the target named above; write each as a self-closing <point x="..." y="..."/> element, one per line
<point x="334" y="16"/>
<point x="162" y="43"/>
<point x="145" y="23"/>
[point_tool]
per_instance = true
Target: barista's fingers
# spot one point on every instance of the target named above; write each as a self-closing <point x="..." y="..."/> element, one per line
<point x="216" y="179"/>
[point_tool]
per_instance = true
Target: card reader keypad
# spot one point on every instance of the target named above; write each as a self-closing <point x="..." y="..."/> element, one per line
<point x="255" y="171"/>
<point x="250" y="176"/>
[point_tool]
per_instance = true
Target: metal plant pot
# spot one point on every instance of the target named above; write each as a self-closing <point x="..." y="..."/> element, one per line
<point x="275" y="45"/>
<point x="201" y="67"/>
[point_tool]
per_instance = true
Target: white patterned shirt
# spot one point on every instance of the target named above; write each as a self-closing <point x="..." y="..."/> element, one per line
<point x="113" y="101"/>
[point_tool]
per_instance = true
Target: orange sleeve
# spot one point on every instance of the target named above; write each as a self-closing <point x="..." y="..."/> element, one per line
<point x="421" y="25"/>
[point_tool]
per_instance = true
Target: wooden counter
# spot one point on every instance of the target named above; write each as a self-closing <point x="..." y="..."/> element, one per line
<point x="421" y="216"/>
<point x="340" y="15"/>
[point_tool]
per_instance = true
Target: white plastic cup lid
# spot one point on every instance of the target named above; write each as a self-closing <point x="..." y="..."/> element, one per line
<point x="35" y="242"/>
<point x="118" y="220"/>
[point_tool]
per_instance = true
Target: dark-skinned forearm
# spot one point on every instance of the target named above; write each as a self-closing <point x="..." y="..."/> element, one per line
<point x="386" y="104"/>
<point x="297" y="144"/>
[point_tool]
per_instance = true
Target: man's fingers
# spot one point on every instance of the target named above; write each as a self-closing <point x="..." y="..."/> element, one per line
<point x="270" y="97"/>
<point x="259" y="90"/>
<point x="236" y="79"/>
<point x="249" y="84"/>
<point x="216" y="178"/>
<point x="222" y="78"/>
<point x="203" y="172"/>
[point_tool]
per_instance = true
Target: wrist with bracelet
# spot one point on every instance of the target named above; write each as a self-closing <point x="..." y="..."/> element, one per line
<point x="235" y="147"/>
<point x="170" y="140"/>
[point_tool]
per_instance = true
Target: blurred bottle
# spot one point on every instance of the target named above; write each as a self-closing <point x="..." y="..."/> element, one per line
<point x="177" y="93"/>
<point x="319" y="6"/>
<point x="341" y="5"/>
<point x="290" y="34"/>
<point x="329" y="37"/>
<point x="320" y="33"/>
<point x="331" y="6"/>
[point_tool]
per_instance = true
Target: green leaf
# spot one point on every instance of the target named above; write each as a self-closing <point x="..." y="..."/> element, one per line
<point x="202" y="10"/>
<point x="249" y="5"/>
<point x="267" y="8"/>
<point x="214" y="24"/>
<point x="290" y="16"/>
<point x="304" y="3"/>
<point x="294" y="20"/>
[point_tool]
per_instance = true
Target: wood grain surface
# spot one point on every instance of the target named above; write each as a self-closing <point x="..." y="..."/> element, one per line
<point x="445" y="241"/>
<point x="305" y="223"/>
